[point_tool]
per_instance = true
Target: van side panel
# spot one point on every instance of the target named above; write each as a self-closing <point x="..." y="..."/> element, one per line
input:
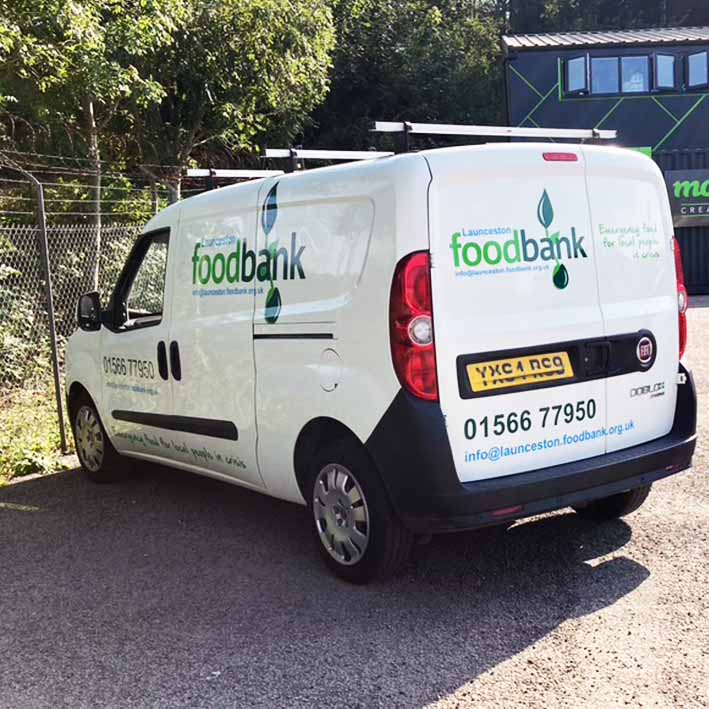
<point x="83" y="365"/>
<point x="212" y="314"/>
<point x="326" y="353"/>
<point x="130" y="392"/>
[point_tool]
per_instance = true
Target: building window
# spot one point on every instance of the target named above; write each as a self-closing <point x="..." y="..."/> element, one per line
<point x="619" y="75"/>
<point x="635" y="74"/>
<point x="576" y="78"/>
<point x="664" y="72"/>
<point x="604" y="75"/>
<point x="697" y="70"/>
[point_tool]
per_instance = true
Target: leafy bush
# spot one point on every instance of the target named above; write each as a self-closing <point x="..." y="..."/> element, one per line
<point x="29" y="434"/>
<point x="23" y="351"/>
<point x="24" y="324"/>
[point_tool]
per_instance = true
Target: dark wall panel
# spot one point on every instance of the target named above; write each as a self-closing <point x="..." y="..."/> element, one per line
<point x="693" y="241"/>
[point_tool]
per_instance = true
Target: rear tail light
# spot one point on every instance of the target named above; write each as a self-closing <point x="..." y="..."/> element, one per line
<point x="411" y="326"/>
<point x="682" y="298"/>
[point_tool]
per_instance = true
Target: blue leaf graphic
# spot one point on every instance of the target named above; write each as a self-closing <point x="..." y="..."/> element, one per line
<point x="545" y="212"/>
<point x="270" y="210"/>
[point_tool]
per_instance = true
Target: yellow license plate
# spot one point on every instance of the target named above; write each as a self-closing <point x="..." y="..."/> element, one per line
<point x="519" y="371"/>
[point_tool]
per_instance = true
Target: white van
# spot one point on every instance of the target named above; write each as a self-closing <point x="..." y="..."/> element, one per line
<point x="417" y="344"/>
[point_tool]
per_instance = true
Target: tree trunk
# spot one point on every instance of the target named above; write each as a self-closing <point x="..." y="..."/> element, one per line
<point x="95" y="184"/>
<point x="154" y="192"/>
<point x="174" y="190"/>
<point x="173" y="184"/>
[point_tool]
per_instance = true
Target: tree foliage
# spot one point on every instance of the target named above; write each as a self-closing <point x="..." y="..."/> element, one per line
<point x="72" y="63"/>
<point x="233" y="71"/>
<point x="166" y="80"/>
<point x="411" y="59"/>
<point x="568" y="15"/>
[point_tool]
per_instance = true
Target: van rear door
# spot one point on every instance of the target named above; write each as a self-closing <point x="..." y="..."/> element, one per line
<point x="638" y="292"/>
<point x="518" y="320"/>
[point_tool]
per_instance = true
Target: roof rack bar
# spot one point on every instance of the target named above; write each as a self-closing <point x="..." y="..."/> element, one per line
<point x="496" y="131"/>
<point x="244" y="174"/>
<point x="325" y="154"/>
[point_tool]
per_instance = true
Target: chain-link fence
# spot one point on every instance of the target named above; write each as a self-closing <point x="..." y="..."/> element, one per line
<point x="65" y="229"/>
<point x="79" y="262"/>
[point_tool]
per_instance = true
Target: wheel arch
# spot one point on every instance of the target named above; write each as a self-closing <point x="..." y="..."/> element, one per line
<point x="315" y="434"/>
<point x="75" y="393"/>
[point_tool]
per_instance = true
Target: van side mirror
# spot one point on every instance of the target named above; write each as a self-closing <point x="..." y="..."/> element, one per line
<point x="89" y="312"/>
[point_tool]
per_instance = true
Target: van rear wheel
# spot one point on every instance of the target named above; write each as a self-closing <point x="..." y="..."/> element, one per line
<point x="358" y="533"/>
<point x="614" y="506"/>
<point x="99" y="459"/>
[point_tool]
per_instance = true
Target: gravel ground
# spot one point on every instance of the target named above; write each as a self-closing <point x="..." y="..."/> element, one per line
<point x="174" y="590"/>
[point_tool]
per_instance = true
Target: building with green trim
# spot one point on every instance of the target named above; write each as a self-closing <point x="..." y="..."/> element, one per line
<point x="649" y="85"/>
<point x="652" y="86"/>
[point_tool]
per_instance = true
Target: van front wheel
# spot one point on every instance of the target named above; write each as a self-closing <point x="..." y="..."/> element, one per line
<point x="357" y="531"/>
<point x="614" y="506"/>
<point x="99" y="459"/>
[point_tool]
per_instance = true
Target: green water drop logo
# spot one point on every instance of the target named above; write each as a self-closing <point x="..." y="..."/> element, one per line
<point x="561" y="276"/>
<point x="273" y="305"/>
<point x="269" y="214"/>
<point x="545" y="215"/>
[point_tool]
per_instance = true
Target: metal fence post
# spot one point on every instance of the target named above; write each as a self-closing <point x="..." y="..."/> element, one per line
<point x="44" y="251"/>
<point x="43" y="245"/>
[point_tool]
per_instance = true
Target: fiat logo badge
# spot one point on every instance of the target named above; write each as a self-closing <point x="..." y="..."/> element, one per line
<point x="645" y="351"/>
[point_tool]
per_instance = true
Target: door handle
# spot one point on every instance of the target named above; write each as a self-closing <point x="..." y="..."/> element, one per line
<point x="162" y="360"/>
<point x="175" y="366"/>
<point x="596" y="358"/>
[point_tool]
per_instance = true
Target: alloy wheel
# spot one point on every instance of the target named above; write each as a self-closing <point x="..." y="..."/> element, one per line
<point x="89" y="439"/>
<point x="341" y="514"/>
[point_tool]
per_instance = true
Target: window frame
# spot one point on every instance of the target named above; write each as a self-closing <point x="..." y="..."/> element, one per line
<point x="648" y="64"/>
<point x="114" y="317"/>
<point x="617" y="68"/>
<point x="582" y="91"/>
<point x="655" y="72"/>
<point x="703" y="85"/>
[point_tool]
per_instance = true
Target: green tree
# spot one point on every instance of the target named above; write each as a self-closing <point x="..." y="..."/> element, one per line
<point x="71" y="63"/>
<point x="569" y="15"/>
<point x="413" y="60"/>
<point x="234" y="72"/>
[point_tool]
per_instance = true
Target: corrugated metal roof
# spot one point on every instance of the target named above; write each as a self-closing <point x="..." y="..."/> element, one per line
<point x="556" y="40"/>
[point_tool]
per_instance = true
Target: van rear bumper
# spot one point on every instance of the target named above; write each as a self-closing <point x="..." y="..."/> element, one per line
<point x="410" y="448"/>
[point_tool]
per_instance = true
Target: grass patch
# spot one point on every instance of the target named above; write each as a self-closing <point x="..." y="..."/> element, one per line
<point x="29" y="434"/>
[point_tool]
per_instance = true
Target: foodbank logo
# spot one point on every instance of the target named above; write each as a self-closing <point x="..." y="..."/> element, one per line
<point x="243" y="265"/>
<point x="522" y="249"/>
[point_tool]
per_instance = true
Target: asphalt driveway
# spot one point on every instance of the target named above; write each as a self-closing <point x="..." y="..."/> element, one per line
<point x="174" y="590"/>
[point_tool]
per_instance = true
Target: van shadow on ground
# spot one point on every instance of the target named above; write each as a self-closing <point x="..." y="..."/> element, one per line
<point x="170" y="589"/>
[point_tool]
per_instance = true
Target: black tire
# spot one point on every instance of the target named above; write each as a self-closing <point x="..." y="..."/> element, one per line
<point x="108" y="466"/>
<point x="614" y="506"/>
<point x="389" y="543"/>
